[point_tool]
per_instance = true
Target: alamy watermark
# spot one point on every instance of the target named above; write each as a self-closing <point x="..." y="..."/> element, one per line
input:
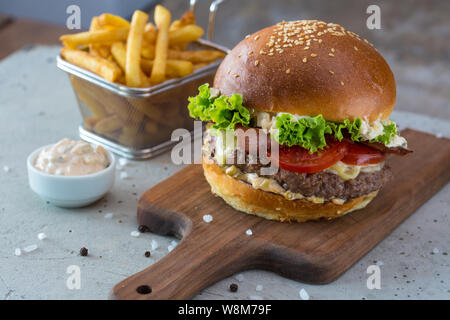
<point x="374" y="280"/>
<point x="73" y="281"/>
<point x="239" y="146"/>
<point x="374" y="20"/>
<point x="73" y="21"/>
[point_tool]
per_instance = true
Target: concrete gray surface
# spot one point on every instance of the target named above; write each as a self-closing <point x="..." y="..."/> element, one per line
<point x="38" y="107"/>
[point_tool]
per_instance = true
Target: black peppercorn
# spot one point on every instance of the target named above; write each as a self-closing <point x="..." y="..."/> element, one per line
<point x="83" y="252"/>
<point x="147" y="254"/>
<point x="142" y="228"/>
<point x="233" y="287"/>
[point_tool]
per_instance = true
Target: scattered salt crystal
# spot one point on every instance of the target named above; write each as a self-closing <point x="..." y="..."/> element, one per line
<point x="6" y="169"/>
<point x="109" y="215"/>
<point x="135" y="233"/>
<point x="255" y="298"/>
<point x="436" y="250"/>
<point x="18" y="252"/>
<point x="123" y="162"/>
<point x="124" y="175"/>
<point x="154" y="244"/>
<point x="42" y="236"/>
<point x="173" y="243"/>
<point x="380" y="263"/>
<point x="30" y="248"/>
<point x="259" y="287"/>
<point x="249" y="232"/>
<point x="438" y="135"/>
<point x="303" y="294"/>
<point x="207" y="218"/>
<point x="240" y="277"/>
<point x="170" y="248"/>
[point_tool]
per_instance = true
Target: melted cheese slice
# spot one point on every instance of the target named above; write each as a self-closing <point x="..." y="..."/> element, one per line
<point x="349" y="172"/>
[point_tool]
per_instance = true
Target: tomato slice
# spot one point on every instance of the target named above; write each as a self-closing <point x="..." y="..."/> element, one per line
<point x="359" y="154"/>
<point x="298" y="159"/>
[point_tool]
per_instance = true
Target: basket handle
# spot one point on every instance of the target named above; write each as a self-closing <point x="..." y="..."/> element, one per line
<point x="212" y="14"/>
<point x="212" y="17"/>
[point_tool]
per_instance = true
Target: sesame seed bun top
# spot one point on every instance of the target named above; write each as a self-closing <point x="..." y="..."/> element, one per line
<point x="309" y="67"/>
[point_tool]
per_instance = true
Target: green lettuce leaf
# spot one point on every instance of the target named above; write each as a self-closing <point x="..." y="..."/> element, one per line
<point x="308" y="132"/>
<point x="225" y="112"/>
<point x="351" y="127"/>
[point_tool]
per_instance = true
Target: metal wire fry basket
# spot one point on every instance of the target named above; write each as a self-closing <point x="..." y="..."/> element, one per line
<point x="137" y="123"/>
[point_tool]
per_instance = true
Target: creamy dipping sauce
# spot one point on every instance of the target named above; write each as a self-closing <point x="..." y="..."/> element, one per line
<point x="72" y="158"/>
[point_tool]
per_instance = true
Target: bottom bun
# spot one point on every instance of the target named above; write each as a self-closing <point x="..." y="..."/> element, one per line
<point x="243" y="197"/>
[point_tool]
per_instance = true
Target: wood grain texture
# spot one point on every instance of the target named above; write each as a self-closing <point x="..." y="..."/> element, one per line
<point x="4" y="20"/>
<point x="313" y="252"/>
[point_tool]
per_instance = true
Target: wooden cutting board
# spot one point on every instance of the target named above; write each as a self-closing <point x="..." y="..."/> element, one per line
<point x="313" y="252"/>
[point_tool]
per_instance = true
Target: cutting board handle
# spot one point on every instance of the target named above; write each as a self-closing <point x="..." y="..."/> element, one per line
<point x="202" y="258"/>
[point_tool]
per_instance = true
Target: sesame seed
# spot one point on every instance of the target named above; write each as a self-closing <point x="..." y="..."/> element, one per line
<point x="270" y="54"/>
<point x="262" y="52"/>
<point x="331" y="72"/>
<point x="247" y="36"/>
<point x="331" y="55"/>
<point x="313" y="55"/>
<point x="250" y="52"/>
<point x="332" y="49"/>
<point x="320" y="40"/>
<point x="235" y="75"/>
<point x="304" y="60"/>
<point x="229" y="71"/>
<point x="257" y="37"/>
<point x="306" y="48"/>
<point x="342" y="83"/>
<point x="256" y="62"/>
<point x="288" y="71"/>
<point x="356" y="48"/>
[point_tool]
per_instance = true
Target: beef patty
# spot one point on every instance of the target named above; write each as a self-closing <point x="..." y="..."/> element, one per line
<point x="322" y="184"/>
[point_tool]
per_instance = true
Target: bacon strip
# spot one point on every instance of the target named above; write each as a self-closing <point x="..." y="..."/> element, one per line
<point x="381" y="147"/>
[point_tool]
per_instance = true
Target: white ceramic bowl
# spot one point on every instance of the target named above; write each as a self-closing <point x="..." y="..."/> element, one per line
<point x="70" y="191"/>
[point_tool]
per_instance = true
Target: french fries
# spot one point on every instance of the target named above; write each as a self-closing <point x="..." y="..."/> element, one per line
<point x="134" y="46"/>
<point x="109" y="124"/>
<point x="185" y="34"/>
<point x="150" y="33"/>
<point x="119" y="52"/>
<point x="104" y="36"/>
<point x="98" y="50"/>
<point x="107" y="19"/>
<point x="136" y="53"/>
<point x="174" y="68"/>
<point x="120" y="46"/>
<point x="162" y="20"/>
<point x="187" y="19"/>
<point x="104" y="68"/>
<point x="148" y="51"/>
<point x="90" y="122"/>
<point x="199" y="65"/>
<point x="196" y="56"/>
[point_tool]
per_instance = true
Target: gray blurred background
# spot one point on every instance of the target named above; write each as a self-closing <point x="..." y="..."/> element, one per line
<point x="414" y="36"/>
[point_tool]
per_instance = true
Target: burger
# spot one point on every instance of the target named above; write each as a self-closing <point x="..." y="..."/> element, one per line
<point x="318" y="94"/>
